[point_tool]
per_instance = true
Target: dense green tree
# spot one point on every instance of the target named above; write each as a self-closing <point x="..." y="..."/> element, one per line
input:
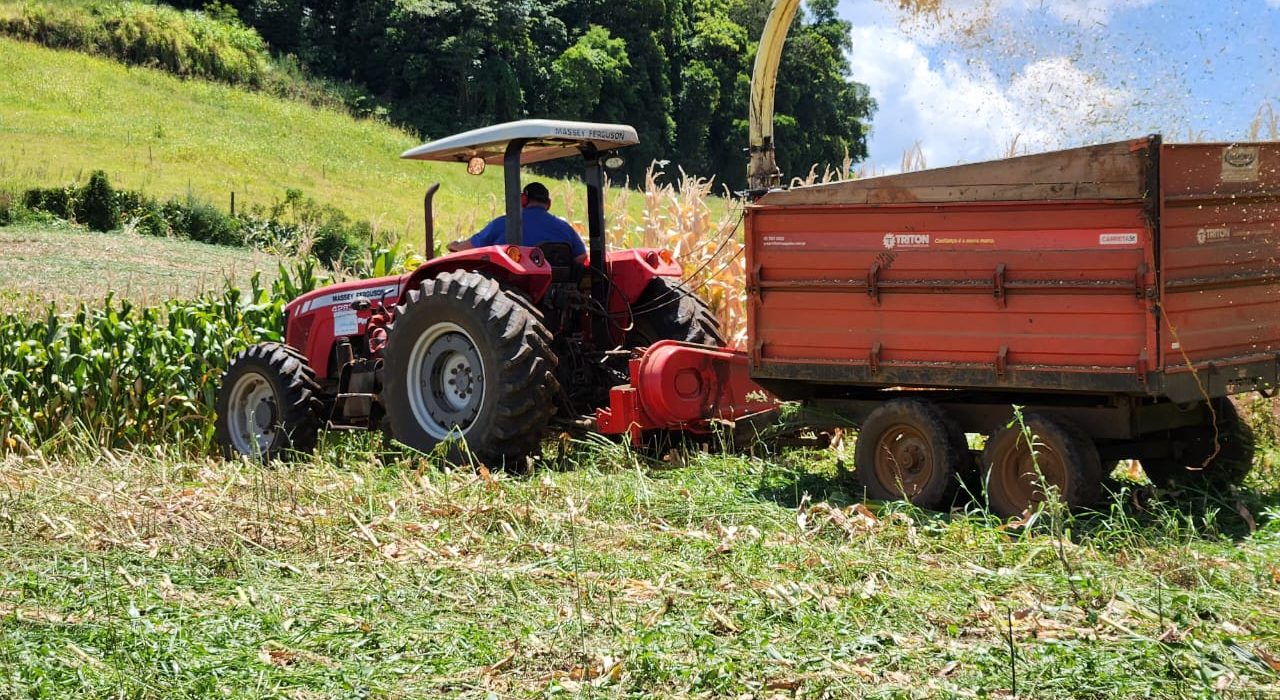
<point x="677" y="70"/>
<point x="595" y="67"/>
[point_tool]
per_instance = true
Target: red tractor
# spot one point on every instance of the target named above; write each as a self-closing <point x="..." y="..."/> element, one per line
<point x="482" y="348"/>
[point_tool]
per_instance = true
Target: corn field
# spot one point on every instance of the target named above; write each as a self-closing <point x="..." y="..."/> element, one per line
<point x="121" y="375"/>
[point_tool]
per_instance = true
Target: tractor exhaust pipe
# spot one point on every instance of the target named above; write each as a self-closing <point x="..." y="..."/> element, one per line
<point x="429" y="221"/>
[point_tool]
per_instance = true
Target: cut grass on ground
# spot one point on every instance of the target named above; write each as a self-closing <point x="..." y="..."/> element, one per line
<point x="42" y="264"/>
<point x="148" y="575"/>
<point x="64" y="115"/>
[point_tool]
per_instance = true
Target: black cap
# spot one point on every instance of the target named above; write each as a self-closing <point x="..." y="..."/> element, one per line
<point x="537" y="192"/>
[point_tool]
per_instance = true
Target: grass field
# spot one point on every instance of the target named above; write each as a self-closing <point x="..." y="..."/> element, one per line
<point x="42" y="264"/>
<point x="63" y="115"/>
<point x="157" y="573"/>
<point x="152" y="575"/>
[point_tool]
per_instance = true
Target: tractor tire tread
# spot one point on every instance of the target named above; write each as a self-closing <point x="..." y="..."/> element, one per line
<point x="671" y="311"/>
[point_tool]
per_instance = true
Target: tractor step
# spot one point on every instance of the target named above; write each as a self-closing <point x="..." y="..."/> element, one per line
<point x="354" y="409"/>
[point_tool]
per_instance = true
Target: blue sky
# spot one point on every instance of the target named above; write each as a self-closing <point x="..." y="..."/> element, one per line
<point x="988" y="77"/>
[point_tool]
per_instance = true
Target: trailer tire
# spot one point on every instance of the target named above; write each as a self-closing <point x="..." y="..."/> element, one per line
<point x="1066" y="457"/>
<point x="267" y="404"/>
<point x="909" y="449"/>
<point x="669" y="310"/>
<point x="469" y="365"/>
<point x="1229" y="467"/>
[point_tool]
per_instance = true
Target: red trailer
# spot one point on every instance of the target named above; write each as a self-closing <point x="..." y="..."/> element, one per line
<point x="1117" y="292"/>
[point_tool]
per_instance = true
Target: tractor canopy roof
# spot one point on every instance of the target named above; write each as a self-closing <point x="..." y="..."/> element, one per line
<point x="546" y="139"/>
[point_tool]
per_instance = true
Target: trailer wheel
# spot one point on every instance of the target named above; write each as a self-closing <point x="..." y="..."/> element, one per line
<point x="669" y="310"/>
<point x="466" y="361"/>
<point x="1064" y="457"/>
<point x="267" y="404"/>
<point x="1232" y="463"/>
<point x="908" y="449"/>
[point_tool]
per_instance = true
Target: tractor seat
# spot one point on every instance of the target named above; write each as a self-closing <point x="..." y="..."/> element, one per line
<point x="560" y="257"/>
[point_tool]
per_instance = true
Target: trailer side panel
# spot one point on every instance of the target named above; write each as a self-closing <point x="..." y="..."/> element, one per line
<point x="1220" y="283"/>
<point x="1019" y="295"/>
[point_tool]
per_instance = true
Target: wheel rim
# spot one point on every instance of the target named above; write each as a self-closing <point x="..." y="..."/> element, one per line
<point x="252" y="414"/>
<point x="1014" y="475"/>
<point x="903" y="460"/>
<point x="446" y="381"/>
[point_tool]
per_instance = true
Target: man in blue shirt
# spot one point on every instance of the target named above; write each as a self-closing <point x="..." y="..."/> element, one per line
<point x="540" y="226"/>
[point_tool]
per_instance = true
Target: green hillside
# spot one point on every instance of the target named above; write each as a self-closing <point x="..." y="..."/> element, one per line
<point x="64" y="114"/>
<point x="42" y="264"/>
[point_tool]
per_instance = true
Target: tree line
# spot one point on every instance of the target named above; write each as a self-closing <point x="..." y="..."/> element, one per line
<point x="677" y="70"/>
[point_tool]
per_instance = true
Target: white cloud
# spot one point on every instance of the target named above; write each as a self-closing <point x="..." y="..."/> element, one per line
<point x="962" y="112"/>
<point x="955" y="18"/>
<point x="1085" y="11"/>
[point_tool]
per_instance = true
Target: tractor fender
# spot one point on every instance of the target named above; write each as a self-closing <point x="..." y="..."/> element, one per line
<point x="631" y="271"/>
<point x="521" y="267"/>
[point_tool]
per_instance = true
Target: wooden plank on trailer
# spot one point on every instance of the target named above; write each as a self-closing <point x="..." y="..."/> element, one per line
<point x="1109" y="171"/>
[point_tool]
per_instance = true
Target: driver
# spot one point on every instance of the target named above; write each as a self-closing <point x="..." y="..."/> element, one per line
<point x="540" y="226"/>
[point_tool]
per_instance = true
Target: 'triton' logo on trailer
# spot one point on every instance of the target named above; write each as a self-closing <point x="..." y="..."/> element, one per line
<point x="906" y="240"/>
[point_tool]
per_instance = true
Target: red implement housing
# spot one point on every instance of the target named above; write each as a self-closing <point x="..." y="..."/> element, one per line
<point x="678" y="386"/>
<point x="1111" y="269"/>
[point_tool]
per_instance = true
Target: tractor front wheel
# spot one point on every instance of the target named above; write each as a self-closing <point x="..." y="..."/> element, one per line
<point x="267" y="404"/>
<point x="468" y="363"/>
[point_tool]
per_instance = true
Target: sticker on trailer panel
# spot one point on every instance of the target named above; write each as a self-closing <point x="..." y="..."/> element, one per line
<point x="894" y="241"/>
<point x="1212" y="235"/>
<point x="781" y="242"/>
<point x="1118" y="239"/>
<point x="346" y="323"/>
<point x="976" y="241"/>
<point x="1240" y="163"/>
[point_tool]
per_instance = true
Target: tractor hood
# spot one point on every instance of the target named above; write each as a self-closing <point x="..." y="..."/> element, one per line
<point x="546" y="140"/>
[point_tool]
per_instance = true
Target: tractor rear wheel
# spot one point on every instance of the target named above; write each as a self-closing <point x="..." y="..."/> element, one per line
<point x="1018" y="476"/>
<point x="669" y="310"/>
<point x="467" y="362"/>
<point x="267" y="404"/>
<point x="909" y="449"/>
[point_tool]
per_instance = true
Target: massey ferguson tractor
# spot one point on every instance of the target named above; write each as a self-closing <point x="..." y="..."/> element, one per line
<point x="479" y="348"/>
<point x="1063" y="310"/>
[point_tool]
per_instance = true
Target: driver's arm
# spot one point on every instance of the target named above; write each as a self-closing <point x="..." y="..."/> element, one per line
<point x="489" y="235"/>
<point x="575" y="244"/>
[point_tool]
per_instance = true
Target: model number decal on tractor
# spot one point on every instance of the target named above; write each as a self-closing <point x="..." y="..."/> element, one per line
<point x="348" y="297"/>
